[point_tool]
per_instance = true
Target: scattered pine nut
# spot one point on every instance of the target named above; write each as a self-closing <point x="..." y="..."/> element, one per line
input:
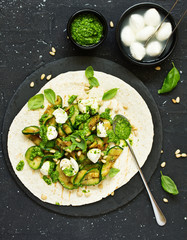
<point x="66" y="153"/>
<point x="55" y="160"/>
<point x="52" y="53"/>
<point x="177" y="151"/>
<point x="177" y="100"/>
<point x="165" y="200"/>
<point x="42" y="76"/>
<point x="173" y="100"/>
<point x="78" y="153"/>
<point x="161" y="151"/>
<point x="87" y="194"/>
<point x="32" y="84"/>
<point x="178" y="155"/>
<point x="103" y="161"/>
<point x="79" y="194"/>
<point x="58" y="162"/>
<point x="183" y="155"/>
<point x="53" y="50"/>
<point x="105" y="157"/>
<point x="111" y="24"/>
<point x="163" y="164"/>
<point x="67" y="37"/>
<point x="158" y="68"/>
<point x="94" y="127"/>
<point x="77" y="140"/>
<point x="125" y="107"/>
<point x="100" y="186"/>
<point x="87" y="85"/>
<point x="102" y="154"/>
<point x="43" y="197"/>
<point x="86" y="88"/>
<point x="49" y="77"/>
<point x="68" y="150"/>
<point x="112" y="194"/>
<point x="52" y="151"/>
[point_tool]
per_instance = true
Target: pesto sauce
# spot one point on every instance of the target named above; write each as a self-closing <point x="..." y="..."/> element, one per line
<point x="20" y="166"/>
<point x="123" y="128"/>
<point x="86" y="29"/>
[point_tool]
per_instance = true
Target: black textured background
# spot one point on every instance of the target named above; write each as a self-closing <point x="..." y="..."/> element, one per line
<point x="28" y="29"/>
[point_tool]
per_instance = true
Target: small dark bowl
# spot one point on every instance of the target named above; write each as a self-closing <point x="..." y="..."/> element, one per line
<point x="101" y="19"/>
<point x="126" y="51"/>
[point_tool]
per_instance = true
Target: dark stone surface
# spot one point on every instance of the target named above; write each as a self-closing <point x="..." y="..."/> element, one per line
<point x="28" y="29"/>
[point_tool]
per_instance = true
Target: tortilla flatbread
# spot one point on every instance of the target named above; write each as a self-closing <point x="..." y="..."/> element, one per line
<point x="128" y="102"/>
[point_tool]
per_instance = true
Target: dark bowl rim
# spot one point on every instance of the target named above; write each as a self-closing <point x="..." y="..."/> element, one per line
<point x="118" y="34"/>
<point x="100" y="17"/>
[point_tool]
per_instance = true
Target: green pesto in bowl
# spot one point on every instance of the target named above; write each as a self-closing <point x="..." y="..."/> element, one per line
<point x="86" y="29"/>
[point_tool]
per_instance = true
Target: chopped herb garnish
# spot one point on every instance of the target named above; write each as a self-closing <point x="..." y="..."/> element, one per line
<point x="20" y="166"/>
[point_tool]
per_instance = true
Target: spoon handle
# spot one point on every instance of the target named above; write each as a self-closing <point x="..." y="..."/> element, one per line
<point x="160" y="218"/>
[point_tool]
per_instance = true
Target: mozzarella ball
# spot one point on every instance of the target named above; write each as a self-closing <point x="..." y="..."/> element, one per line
<point x="60" y="115"/>
<point x="137" y="50"/>
<point x="152" y="17"/>
<point x="154" y="48"/>
<point x="164" y="32"/>
<point x="127" y="36"/>
<point x="94" y="154"/>
<point x="136" y="22"/>
<point x="51" y="133"/>
<point x="145" y="33"/>
<point x="45" y="168"/>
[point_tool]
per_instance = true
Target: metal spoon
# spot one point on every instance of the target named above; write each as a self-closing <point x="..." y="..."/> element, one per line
<point x="160" y="218"/>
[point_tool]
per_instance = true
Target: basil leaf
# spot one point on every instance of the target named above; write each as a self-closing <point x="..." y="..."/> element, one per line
<point x="171" y="80"/>
<point x="82" y="144"/>
<point x="93" y="82"/>
<point x="50" y="95"/>
<point x="168" y="185"/>
<point x="36" y="102"/>
<point x="113" y="172"/>
<point x="89" y="72"/>
<point x="110" y="94"/>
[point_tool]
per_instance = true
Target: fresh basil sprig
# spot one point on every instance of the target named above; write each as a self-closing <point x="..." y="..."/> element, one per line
<point x="113" y="172"/>
<point x="168" y="185"/>
<point x="90" y="76"/>
<point x="171" y="80"/>
<point x="36" y="102"/>
<point x="110" y="94"/>
<point x="50" y="95"/>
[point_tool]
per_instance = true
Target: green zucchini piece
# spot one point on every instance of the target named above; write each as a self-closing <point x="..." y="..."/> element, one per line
<point x="61" y="133"/>
<point x="115" y="152"/>
<point x="36" y="163"/>
<point x="91" y="182"/>
<point x="58" y="102"/>
<point x="32" y="130"/>
<point x="64" y="180"/>
<point x="51" y="122"/>
<point x="67" y="128"/>
<point x="106" y="169"/>
<point x="76" y="113"/>
<point x="93" y="121"/>
<point x="35" y="139"/>
<point x="92" y="177"/>
<point x="98" y="143"/>
<point x="79" y="177"/>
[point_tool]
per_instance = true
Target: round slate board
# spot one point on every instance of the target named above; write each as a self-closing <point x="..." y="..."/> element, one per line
<point x="134" y="186"/>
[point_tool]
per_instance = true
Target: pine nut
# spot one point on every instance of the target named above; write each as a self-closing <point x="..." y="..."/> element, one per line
<point x="53" y="50"/>
<point x="100" y="186"/>
<point x="161" y="151"/>
<point x="78" y="153"/>
<point x="42" y="76"/>
<point x="68" y="150"/>
<point x="163" y="164"/>
<point x="77" y="140"/>
<point x="158" y="68"/>
<point x="79" y="194"/>
<point x="125" y="107"/>
<point x="178" y="155"/>
<point x="105" y="157"/>
<point x="103" y="161"/>
<point x="173" y="100"/>
<point x="52" y="151"/>
<point x="102" y="154"/>
<point x="58" y="162"/>
<point x="165" y="200"/>
<point x="177" y="151"/>
<point x="93" y="128"/>
<point x="183" y="155"/>
<point x="112" y="194"/>
<point x="66" y="153"/>
<point x="177" y="100"/>
<point x="32" y="84"/>
<point x="43" y="197"/>
<point x="52" y="53"/>
<point x="111" y="24"/>
<point x="49" y="77"/>
<point x="87" y="194"/>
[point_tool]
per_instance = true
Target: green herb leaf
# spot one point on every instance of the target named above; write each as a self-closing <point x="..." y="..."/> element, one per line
<point x="110" y="94"/>
<point x="36" y="102"/>
<point x="57" y="203"/>
<point x="113" y="172"/>
<point x="50" y="95"/>
<point x="93" y="82"/>
<point x="171" y="80"/>
<point x="168" y="185"/>
<point x="89" y="72"/>
<point x="82" y="144"/>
